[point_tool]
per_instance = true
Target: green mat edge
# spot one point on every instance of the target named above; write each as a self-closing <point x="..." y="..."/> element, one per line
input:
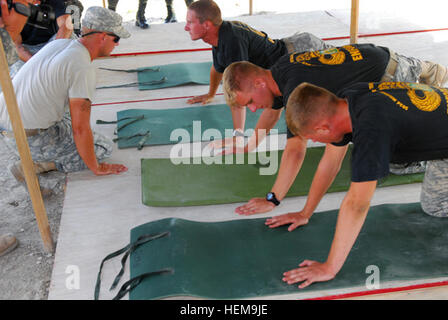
<point x="120" y="145"/>
<point x="324" y="291"/>
<point x="157" y="87"/>
<point x="385" y="182"/>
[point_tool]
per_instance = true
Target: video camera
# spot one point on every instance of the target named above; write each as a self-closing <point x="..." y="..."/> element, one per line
<point x="40" y="16"/>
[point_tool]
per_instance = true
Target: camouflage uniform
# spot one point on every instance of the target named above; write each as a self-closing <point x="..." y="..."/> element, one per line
<point x="304" y="41"/>
<point x="171" y="16"/>
<point x="410" y="69"/>
<point x="170" y="3"/>
<point x="8" y="47"/>
<point x="56" y="144"/>
<point x="141" y="9"/>
<point x="407" y="69"/>
<point x="434" y="195"/>
<point x="112" y="5"/>
<point x="434" y="199"/>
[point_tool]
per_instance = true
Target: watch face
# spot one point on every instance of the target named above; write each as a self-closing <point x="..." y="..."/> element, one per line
<point x="269" y="196"/>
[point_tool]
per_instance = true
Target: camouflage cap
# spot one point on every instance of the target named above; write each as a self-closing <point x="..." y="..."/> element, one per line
<point x="102" y="19"/>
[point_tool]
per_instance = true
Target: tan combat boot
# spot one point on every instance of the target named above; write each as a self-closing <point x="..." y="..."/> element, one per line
<point x="7" y="243"/>
<point x="433" y="74"/>
<point x="39" y="167"/>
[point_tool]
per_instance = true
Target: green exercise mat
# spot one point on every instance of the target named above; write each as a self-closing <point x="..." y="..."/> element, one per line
<point x="246" y="259"/>
<point x="165" y="76"/>
<point x="175" y="74"/>
<point x="180" y="125"/>
<point x="165" y="183"/>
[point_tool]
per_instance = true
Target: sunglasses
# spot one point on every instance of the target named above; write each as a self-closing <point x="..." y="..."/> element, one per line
<point x="21" y="8"/>
<point x="116" y="38"/>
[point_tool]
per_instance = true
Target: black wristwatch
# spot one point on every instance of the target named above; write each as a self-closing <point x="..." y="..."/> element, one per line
<point x="271" y="198"/>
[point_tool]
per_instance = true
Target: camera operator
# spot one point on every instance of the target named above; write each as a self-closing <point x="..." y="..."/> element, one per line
<point x="33" y="38"/>
<point x="11" y="24"/>
<point x="54" y="90"/>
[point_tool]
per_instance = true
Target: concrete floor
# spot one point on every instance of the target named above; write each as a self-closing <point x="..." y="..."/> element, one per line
<point x="100" y="211"/>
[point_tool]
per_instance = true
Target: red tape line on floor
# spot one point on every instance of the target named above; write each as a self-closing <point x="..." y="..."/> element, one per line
<point x="325" y="39"/>
<point x="145" y="100"/>
<point x="386" y="34"/>
<point x="158" y="52"/>
<point x="382" y="291"/>
<point x="207" y="49"/>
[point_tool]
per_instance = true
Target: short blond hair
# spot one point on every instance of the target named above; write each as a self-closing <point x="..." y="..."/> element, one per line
<point x="207" y="10"/>
<point x="233" y="80"/>
<point x="306" y="105"/>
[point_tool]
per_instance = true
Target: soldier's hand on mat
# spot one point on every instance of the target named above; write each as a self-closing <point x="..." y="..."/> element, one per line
<point x="109" y="168"/>
<point x="230" y="145"/>
<point x="296" y="219"/>
<point x="221" y="143"/>
<point x="236" y="145"/>
<point x="309" y="272"/>
<point x="203" y="99"/>
<point x="234" y="150"/>
<point x="254" y="206"/>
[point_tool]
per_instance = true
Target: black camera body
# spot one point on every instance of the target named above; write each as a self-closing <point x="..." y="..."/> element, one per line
<point x="41" y="16"/>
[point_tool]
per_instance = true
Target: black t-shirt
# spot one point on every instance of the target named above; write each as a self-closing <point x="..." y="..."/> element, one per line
<point x="32" y="35"/>
<point x="332" y="69"/>
<point x="239" y="42"/>
<point x="395" y="122"/>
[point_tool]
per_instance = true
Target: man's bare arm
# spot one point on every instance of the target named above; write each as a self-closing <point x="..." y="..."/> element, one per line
<point x="215" y="79"/>
<point x="82" y="134"/>
<point x="326" y="172"/>
<point x="352" y="215"/>
<point x="290" y="165"/>
<point x="65" y="26"/>
<point x="265" y="123"/>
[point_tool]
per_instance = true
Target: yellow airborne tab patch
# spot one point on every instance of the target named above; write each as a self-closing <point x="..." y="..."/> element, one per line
<point x="354" y="52"/>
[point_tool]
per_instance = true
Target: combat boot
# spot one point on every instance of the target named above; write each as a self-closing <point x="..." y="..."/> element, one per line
<point x="39" y="167"/>
<point x="171" y="16"/>
<point x="433" y="74"/>
<point x="7" y="243"/>
<point x="112" y="4"/>
<point x="140" y="18"/>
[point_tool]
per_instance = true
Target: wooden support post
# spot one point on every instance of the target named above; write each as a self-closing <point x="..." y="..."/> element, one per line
<point x="251" y="6"/>
<point x="25" y="154"/>
<point x="354" y="22"/>
<point x="104" y="3"/>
